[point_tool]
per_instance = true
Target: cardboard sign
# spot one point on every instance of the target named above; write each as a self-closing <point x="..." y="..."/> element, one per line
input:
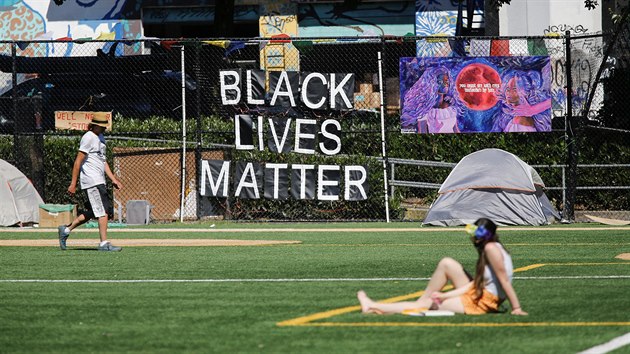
<point x="79" y="120"/>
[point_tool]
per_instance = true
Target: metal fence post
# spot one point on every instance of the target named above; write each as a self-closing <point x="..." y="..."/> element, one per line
<point x="183" y="171"/>
<point x="14" y="97"/>
<point x="571" y="129"/>
<point x="384" y="151"/>
<point x="199" y="122"/>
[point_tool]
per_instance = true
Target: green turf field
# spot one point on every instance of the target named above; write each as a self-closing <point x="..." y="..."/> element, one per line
<point x="301" y="298"/>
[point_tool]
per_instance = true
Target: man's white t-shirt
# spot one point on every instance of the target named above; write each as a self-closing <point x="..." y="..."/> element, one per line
<point x="93" y="167"/>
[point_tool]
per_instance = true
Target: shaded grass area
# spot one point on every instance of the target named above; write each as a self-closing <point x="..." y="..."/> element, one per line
<point x="241" y="316"/>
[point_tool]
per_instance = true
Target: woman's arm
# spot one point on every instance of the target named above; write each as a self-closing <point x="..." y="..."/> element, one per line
<point x="441" y="296"/>
<point x="526" y="110"/>
<point x="495" y="259"/>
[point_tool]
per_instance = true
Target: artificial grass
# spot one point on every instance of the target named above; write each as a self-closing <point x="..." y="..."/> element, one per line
<point x="242" y="316"/>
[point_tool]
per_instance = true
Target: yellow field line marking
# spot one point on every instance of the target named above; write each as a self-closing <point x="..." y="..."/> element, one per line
<point x="587" y="264"/>
<point x="477" y="324"/>
<point x="327" y="314"/>
<point x="308" y="320"/>
<point x="534" y="266"/>
<point x="526" y="268"/>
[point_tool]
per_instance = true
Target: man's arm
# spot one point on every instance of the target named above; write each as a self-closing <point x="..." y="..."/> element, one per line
<point x="76" y="168"/>
<point x="112" y="177"/>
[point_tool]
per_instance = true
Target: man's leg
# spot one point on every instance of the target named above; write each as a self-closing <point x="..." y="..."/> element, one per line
<point x="102" y="228"/>
<point x="102" y="207"/>
<point x="102" y="232"/>
<point x="64" y="230"/>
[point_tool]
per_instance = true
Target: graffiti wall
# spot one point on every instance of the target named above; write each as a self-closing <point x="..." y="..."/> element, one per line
<point x="437" y="19"/>
<point x="553" y="18"/>
<point x="76" y="19"/>
<point x="24" y="20"/>
<point x="278" y="18"/>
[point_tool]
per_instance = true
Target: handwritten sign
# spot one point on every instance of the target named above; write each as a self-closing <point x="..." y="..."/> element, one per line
<point x="79" y="120"/>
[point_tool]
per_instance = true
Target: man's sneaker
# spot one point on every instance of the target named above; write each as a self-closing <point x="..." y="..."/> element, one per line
<point x="63" y="236"/>
<point x="109" y="248"/>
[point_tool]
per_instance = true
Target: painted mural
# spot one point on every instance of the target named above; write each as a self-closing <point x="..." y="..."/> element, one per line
<point x="437" y="18"/>
<point x="75" y="19"/>
<point x="27" y="20"/>
<point x="278" y="18"/>
<point x="470" y="95"/>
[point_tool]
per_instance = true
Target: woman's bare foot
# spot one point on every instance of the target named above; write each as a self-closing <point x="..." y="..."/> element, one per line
<point x="365" y="302"/>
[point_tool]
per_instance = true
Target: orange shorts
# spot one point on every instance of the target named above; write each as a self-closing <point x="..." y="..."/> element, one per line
<point x="487" y="303"/>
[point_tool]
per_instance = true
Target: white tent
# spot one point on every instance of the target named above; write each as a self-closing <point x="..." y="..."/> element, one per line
<point x="20" y="200"/>
<point x="495" y="184"/>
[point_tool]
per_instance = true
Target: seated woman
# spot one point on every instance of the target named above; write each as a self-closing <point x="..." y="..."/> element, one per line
<point x="482" y="294"/>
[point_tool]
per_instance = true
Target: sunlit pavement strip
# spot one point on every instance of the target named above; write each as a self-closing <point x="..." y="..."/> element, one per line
<point x="609" y="346"/>
<point x="148" y="242"/>
<point x="294" y="230"/>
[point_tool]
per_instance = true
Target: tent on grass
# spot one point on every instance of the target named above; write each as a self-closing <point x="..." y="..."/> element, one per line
<point x="20" y="200"/>
<point x="495" y="184"/>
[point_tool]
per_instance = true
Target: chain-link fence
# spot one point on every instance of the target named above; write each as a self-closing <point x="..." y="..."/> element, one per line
<point x="600" y="129"/>
<point x="193" y="143"/>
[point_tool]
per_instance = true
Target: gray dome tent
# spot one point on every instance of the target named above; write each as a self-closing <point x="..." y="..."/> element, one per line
<point x="20" y="200"/>
<point x="495" y="184"/>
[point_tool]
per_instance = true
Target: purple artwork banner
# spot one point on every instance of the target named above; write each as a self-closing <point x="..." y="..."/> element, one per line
<point x="475" y="94"/>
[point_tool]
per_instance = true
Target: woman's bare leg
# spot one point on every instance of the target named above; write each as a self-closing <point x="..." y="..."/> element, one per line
<point x="447" y="269"/>
<point x="370" y="306"/>
<point x="454" y="304"/>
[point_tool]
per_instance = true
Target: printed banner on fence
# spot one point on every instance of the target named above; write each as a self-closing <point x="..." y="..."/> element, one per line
<point x="281" y="181"/>
<point x="267" y="131"/>
<point x="79" y="120"/>
<point x="472" y="95"/>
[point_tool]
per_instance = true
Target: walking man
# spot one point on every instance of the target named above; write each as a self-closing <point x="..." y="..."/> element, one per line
<point x="90" y="167"/>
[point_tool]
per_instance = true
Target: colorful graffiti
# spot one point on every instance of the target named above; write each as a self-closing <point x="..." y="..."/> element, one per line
<point x="435" y="24"/>
<point x="33" y="20"/>
<point x="279" y="55"/>
<point x="27" y="20"/>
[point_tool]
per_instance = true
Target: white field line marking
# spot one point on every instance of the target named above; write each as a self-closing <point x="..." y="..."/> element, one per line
<point x="293" y="230"/>
<point x="281" y="280"/>
<point x="613" y="344"/>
